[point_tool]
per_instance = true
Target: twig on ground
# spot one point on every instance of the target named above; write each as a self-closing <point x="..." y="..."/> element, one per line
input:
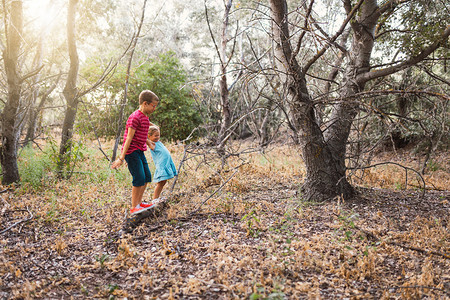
<point x="424" y="251"/>
<point x="377" y="239"/>
<point x="17" y="223"/>
<point x="183" y="219"/>
<point x="4" y="191"/>
<point x="413" y="287"/>
<point x="215" y="192"/>
<point x="399" y="165"/>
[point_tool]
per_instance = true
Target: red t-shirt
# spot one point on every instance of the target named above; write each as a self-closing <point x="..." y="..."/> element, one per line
<point x="139" y="122"/>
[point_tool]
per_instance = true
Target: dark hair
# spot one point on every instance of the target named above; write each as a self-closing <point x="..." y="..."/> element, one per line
<point x="147" y="96"/>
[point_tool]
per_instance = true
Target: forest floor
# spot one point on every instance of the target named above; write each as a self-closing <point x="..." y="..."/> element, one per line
<point x="244" y="233"/>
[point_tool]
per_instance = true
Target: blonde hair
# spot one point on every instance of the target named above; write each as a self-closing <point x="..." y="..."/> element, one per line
<point x="152" y="129"/>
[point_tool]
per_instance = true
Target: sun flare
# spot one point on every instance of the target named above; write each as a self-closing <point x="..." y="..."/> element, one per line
<point x="43" y="14"/>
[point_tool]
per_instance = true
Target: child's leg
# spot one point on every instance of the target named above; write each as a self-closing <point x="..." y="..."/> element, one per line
<point x="137" y="193"/>
<point x="158" y="189"/>
<point x="138" y="166"/>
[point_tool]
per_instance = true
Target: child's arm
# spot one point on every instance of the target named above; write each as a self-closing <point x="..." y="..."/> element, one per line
<point x="150" y="144"/>
<point x="119" y="161"/>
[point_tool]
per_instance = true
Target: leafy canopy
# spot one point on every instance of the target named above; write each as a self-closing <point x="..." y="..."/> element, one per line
<point x="176" y="113"/>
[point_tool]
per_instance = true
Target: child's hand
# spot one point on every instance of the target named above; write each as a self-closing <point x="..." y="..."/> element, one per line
<point x="151" y="144"/>
<point x="117" y="163"/>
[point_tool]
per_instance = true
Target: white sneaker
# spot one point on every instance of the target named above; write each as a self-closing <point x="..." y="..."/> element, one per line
<point x="159" y="200"/>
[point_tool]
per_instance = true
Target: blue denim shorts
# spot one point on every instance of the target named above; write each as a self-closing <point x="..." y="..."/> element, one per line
<point x="138" y="167"/>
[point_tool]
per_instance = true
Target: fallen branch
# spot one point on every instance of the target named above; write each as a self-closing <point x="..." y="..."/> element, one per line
<point x="377" y="239"/>
<point x="399" y="165"/>
<point x="4" y="191"/>
<point x="182" y="219"/>
<point x="215" y="192"/>
<point x="179" y="169"/>
<point x="17" y="223"/>
<point x="424" y="251"/>
<point x="413" y="287"/>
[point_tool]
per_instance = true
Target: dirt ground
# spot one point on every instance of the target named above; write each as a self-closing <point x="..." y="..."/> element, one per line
<point x="382" y="244"/>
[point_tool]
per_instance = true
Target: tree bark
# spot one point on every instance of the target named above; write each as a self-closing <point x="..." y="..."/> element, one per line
<point x="224" y="91"/>
<point x="9" y="118"/>
<point x="70" y="91"/>
<point x="35" y="110"/>
<point x="35" y="106"/>
<point x="325" y="176"/>
<point x="324" y="153"/>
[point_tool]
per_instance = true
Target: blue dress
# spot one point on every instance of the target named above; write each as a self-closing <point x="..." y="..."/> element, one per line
<point x="164" y="165"/>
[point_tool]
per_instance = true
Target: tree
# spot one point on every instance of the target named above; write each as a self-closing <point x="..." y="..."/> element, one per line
<point x="224" y="89"/>
<point x="324" y="152"/>
<point x="10" y="115"/>
<point x="13" y="113"/>
<point x="70" y="91"/>
<point x="39" y="90"/>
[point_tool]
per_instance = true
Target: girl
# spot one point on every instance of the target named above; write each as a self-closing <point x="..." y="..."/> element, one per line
<point x="164" y="165"/>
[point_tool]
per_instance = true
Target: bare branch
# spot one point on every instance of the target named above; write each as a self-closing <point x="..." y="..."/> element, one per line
<point x="212" y="35"/>
<point x="31" y="74"/>
<point x="386" y="92"/>
<point x="308" y="15"/>
<point x="399" y="165"/>
<point x="391" y="4"/>
<point x="216" y="191"/>
<point x="367" y="76"/>
<point x="17" y="223"/>
<point x="334" y="38"/>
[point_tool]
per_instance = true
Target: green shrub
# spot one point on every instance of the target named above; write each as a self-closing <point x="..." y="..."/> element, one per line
<point x="34" y="166"/>
<point x="176" y="114"/>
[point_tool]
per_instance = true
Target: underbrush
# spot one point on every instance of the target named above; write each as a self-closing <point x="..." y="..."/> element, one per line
<point x="398" y="171"/>
<point x="232" y="230"/>
<point x="93" y="184"/>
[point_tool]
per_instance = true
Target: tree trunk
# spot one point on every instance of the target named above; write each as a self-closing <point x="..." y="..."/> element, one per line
<point x="9" y="117"/>
<point x="224" y="91"/>
<point x="324" y="153"/>
<point x="343" y="114"/>
<point x="33" y="108"/>
<point x="325" y="175"/>
<point x="70" y="91"/>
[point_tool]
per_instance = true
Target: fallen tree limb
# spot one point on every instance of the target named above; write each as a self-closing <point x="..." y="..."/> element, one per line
<point x="377" y="239"/>
<point x="4" y="191"/>
<point x="413" y="287"/>
<point x="424" y="251"/>
<point x="399" y="165"/>
<point x="17" y="223"/>
<point x="215" y="192"/>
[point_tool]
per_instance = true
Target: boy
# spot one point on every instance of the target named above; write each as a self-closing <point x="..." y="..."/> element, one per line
<point x="134" y="145"/>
